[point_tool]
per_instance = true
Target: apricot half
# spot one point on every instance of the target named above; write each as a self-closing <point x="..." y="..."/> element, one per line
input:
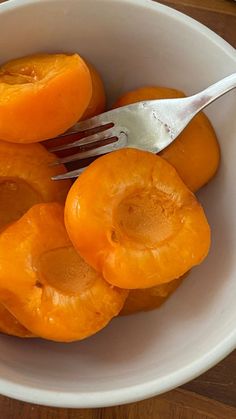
<point x="49" y="288"/>
<point x="98" y="99"/>
<point x="25" y="179"/>
<point x="149" y="298"/>
<point x="41" y="96"/>
<point x="195" y="153"/>
<point x="132" y="218"/>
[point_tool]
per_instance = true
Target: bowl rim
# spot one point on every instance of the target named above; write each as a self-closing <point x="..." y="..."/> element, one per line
<point x="152" y="387"/>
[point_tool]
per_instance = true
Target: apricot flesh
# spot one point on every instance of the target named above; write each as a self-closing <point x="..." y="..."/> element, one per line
<point x="25" y="179"/>
<point x="195" y="153"/>
<point x="98" y="99"/>
<point x="53" y="293"/>
<point x="41" y="96"/>
<point x="16" y="197"/>
<point x="140" y="226"/>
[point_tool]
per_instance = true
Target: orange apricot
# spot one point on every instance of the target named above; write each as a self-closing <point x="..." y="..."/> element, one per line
<point x="149" y="298"/>
<point x="98" y="99"/>
<point x="41" y="96"/>
<point x="132" y="218"/>
<point x="10" y="325"/>
<point x="195" y="153"/>
<point x="25" y="179"/>
<point x="147" y="93"/>
<point x="52" y="292"/>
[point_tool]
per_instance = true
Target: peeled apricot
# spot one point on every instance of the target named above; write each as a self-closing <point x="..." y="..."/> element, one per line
<point x="98" y="99"/>
<point x="25" y="179"/>
<point x="41" y="96"/>
<point x="132" y="218"/>
<point x="195" y="153"/>
<point x="10" y="325"/>
<point x="149" y="298"/>
<point x="53" y="292"/>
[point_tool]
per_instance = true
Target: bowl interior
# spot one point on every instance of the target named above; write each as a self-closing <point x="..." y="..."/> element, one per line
<point x="135" y="43"/>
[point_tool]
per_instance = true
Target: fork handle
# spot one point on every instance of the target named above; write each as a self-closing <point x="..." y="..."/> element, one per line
<point x="202" y="99"/>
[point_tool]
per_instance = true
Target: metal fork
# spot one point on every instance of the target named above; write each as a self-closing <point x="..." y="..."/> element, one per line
<point x="150" y="125"/>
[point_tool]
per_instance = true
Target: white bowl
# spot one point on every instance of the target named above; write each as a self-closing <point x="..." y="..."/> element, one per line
<point x="133" y="43"/>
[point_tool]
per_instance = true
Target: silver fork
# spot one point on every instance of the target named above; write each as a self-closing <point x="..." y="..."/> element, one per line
<point x="150" y="125"/>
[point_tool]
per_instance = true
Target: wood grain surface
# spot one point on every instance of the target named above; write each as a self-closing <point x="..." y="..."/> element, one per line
<point x="212" y="395"/>
<point x="218" y="15"/>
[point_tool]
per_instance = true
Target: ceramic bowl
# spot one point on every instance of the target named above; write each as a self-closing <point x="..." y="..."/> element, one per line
<point x="134" y="43"/>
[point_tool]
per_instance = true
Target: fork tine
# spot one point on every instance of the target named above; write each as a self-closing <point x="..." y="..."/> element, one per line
<point x="94" y="122"/>
<point x="121" y="142"/>
<point x="109" y="133"/>
<point x="71" y="136"/>
<point x="69" y="175"/>
<point x="91" y="153"/>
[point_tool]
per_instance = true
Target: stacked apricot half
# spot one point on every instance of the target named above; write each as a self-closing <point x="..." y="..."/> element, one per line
<point x="53" y="292"/>
<point x="119" y="240"/>
<point x="141" y="226"/>
<point x="42" y="96"/>
<point x="25" y="180"/>
<point x="196" y="156"/>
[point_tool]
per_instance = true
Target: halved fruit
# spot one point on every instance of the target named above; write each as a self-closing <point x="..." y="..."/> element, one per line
<point x="25" y="180"/>
<point x="41" y="96"/>
<point x="49" y="288"/>
<point x="132" y="218"/>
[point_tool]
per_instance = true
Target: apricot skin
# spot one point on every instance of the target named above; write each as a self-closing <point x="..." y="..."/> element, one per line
<point x="96" y="106"/>
<point x="140" y="226"/>
<point x="42" y="307"/>
<point x="10" y="325"/>
<point x="149" y="298"/>
<point x="42" y="96"/>
<point x="195" y="154"/>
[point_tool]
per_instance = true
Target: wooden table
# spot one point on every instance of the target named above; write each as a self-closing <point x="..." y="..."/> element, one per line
<point x="211" y="396"/>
